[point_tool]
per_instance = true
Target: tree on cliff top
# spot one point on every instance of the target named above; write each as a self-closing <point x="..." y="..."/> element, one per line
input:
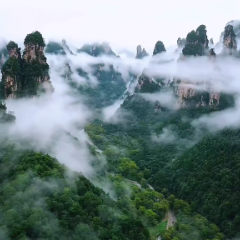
<point x="35" y="38"/>
<point x="159" y="47"/>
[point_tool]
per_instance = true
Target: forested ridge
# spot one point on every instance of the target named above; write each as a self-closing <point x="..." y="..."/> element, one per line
<point x="156" y="173"/>
<point x="197" y="166"/>
<point x="40" y="200"/>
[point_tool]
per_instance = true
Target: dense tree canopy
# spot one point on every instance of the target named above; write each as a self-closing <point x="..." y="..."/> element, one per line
<point x="159" y="47"/>
<point x="35" y="38"/>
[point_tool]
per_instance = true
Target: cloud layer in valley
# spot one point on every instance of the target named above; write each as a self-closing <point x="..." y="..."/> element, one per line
<point x="52" y="122"/>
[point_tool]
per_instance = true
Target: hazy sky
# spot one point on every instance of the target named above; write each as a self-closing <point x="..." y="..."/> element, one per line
<point x="120" y="22"/>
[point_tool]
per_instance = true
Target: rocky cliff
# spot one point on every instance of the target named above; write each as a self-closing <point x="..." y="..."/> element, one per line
<point x="146" y="83"/>
<point x="229" y="40"/>
<point x="141" y="53"/>
<point x="25" y="75"/>
<point x="196" y="42"/>
<point x="11" y="83"/>
<point x="186" y="91"/>
<point x="36" y="77"/>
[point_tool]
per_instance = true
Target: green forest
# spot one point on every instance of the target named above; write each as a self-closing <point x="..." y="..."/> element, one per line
<point x="156" y="172"/>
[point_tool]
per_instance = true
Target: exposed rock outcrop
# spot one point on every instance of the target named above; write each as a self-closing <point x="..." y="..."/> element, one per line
<point x="11" y="83"/>
<point x="27" y="75"/>
<point x="229" y="40"/>
<point x="147" y="84"/>
<point x="35" y="67"/>
<point x="158" y="107"/>
<point x="13" y="50"/>
<point x="66" y="47"/>
<point x="141" y="53"/>
<point x="97" y="49"/>
<point x="187" y="92"/>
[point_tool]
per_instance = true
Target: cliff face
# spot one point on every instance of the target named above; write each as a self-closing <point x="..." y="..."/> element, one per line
<point x="187" y="95"/>
<point x="196" y="42"/>
<point x="146" y="83"/>
<point x="6" y="116"/>
<point x="35" y="67"/>
<point x="229" y="40"/>
<point x="27" y="75"/>
<point x="11" y="83"/>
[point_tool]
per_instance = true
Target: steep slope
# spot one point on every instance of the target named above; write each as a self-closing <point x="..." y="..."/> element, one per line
<point x="11" y="84"/>
<point x="35" y="66"/>
<point x="27" y="75"/>
<point x="103" y="84"/>
<point x="207" y="175"/>
<point x="141" y="53"/>
<point x="39" y="201"/>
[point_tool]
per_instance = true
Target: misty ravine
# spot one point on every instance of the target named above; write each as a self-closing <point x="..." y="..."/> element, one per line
<point x="97" y="145"/>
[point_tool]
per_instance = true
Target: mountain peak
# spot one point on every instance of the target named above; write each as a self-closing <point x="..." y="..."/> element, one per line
<point x="159" y="47"/>
<point x="141" y="53"/>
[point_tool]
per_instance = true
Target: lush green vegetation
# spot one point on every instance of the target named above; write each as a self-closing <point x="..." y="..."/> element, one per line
<point x="195" y="227"/>
<point x="35" y="38"/>
<point x="147" y="85"/>
<point x="11" y="68"/>
<point x="12" y="45"/>
<point x="32" y="72"/>
<point x="201" y="170"/>
<point x="196" y="42"/>
<point x="207" y="175"/>
<point x="109" y="83"/>
<point x="159" y="47"/>
<point x="26" y="72"/>
<point x="39" y="201"/>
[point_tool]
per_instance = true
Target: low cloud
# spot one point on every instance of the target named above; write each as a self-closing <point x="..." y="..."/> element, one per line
<point x="166" y="137"/>
<point x="51" y="124"/>
<point x="166" y="99"/>
<point x="216" y="121"/>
